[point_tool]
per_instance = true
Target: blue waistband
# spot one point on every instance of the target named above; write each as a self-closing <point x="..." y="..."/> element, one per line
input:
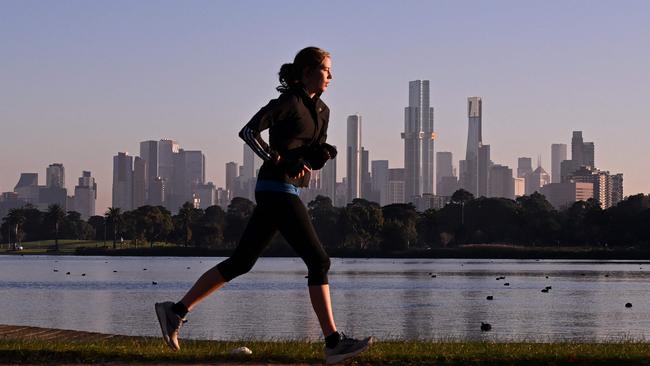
<point x="276" y="186"/>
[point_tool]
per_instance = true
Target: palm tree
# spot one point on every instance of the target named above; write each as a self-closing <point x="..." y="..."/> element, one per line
<point x="54" y="216"/>
<point x="114" y="215"/>
<point x="185" y="217"/>
<point x="16" y="218"/>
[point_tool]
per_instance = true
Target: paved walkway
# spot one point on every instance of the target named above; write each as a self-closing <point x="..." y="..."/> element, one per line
<point x="25" y="332"/>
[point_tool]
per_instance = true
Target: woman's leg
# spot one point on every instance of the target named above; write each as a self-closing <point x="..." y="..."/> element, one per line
<point x="209" y="282"/>
<point x="295" y="225"/>
<point x="322" y="304"/>
<point x="258" y="233"/>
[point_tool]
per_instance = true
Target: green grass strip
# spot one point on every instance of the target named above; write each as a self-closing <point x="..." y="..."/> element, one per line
<point x="147" y="350"/>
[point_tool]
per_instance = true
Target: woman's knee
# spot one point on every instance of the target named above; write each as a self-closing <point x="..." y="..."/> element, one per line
<point x="318" y="269"/>
<point x="234" y="267"/>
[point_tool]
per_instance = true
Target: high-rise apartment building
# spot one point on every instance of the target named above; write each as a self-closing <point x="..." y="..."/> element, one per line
<point x="27" y="188"/>
<point x="353" y="167"/>
<point x="139" y="182"/>
<point x="470" y="175"/>
<point x="444" y="167"/>
<point x="166" y="151"/>
<point x="524" y="167"/>
<point x="484" y="164"/>
<point x="231" y="175"/>
<point x="55" y="176"/>
<point x="149" y="153"/>
<point x="380" y="180"/>
<point x="501" y="182"/>
<point x="328" y="179"/>
<point x="252" y="163"/>
<point x="558" y="155"/>
<point x="366" y="184"/>
<point x="396" y="186"/>
<point x="418" y="138"/>
<point x="85" y="195"/>
<point x="123" y="181"/>
<point x="562" y="195"/>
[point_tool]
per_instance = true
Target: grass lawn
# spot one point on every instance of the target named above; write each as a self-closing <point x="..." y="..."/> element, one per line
<point x="149" y="350"/>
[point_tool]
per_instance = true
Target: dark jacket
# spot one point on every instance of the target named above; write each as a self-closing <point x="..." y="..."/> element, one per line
<point x="297" y="124"/>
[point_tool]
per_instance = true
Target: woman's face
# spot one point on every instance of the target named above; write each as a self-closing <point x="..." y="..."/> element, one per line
<point x="317" y="79"/>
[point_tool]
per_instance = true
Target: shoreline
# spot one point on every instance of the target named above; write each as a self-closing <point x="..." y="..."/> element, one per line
<point x="473" y="251"/>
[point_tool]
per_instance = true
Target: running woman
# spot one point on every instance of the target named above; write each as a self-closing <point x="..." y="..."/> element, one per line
<point x="297" y="121"/>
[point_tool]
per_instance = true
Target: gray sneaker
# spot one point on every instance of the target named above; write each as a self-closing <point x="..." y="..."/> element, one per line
<point x="347" y="348"/>
<point x="170" y="323"/>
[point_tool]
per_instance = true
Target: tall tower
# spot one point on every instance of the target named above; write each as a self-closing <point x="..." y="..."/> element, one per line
<point x="577" y="149"/>
<point x="55" y="176"/>
<point x="85" y="195"/>
<point x="354" y="157"/>
<point x="123" y="181"/>
<point x="418" y="138"/>
<point x="328" y="179"/>
<point x="149" y="153"/>
<point x="470" y="175"/>
<point x="558" y="154"/>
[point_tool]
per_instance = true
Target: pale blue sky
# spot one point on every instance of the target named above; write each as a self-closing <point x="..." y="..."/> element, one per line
<point x="82" y="80"/>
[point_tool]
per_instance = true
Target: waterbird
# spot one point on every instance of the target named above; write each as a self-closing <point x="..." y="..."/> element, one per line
<point x="549" y="287"/>
<point x="486" y="327"/>
<point x="56" y="270"/>
<point x="83" y="274"/>
<point x="188" y="267"/>
<point x="433" y="276"/>
<point x="67" y="273"/>
<point x="114" y="271"/>
<point x="544" y="290"/>
<point x="628" y="305"/>
<point x="507" y="284"/>
<point x="490" y="297"/>
<point x="144" y="269"/>
<point x="154" y="282"/>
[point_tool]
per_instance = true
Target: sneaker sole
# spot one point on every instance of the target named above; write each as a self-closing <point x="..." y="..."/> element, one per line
<point x="340" y="358"/>
<point x="162" y="320"/>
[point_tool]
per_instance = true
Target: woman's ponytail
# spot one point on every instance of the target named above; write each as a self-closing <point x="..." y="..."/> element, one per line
<point x="287" y="77"/>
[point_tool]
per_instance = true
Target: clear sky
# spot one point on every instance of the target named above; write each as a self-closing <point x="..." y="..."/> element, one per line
<point x="82" y="80"/>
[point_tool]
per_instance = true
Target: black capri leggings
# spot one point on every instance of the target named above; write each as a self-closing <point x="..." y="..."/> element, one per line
<point x="284" y="212"/>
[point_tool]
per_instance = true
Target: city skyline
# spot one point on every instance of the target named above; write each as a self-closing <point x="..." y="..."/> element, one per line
<point x="545" y="71"/>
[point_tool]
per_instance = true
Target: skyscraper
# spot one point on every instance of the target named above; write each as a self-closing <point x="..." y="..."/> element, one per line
<point x="139" y="182"/>
<point x="418" y="138"/>
<point x="55" y="176"/>
<point x="577" y="149"/>
<point x="588" y="154"/>
<point x="558" y="155"/>
<point x="85" y="196"/>
<point x="396" y="186"/>
<point x="149" y="153"/>
<point x="484" y="164"/>
<point x="231" y="175"/>
<point x="366" y="184"/>
<point x="353" y="166"/>
<point x="252" y="163"/>
<point x="166" y="151"/>
<point x="123" y="181"/>
<point x="380" y="180"/>
<point x="328" y="179"/>
<point x="444" y="167"/>
<point x="501" y="182"/>
<point x="470" y="176"/>
<point x="524" y="167"/>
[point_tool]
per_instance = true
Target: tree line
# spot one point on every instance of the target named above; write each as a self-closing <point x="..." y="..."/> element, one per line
<point x="360" y="226"/>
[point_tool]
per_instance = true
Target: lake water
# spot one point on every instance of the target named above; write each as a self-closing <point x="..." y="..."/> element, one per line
<point x="387" y="298"/>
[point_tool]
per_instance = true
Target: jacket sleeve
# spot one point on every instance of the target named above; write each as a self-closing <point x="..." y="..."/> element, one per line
<point x="276" y="110"/>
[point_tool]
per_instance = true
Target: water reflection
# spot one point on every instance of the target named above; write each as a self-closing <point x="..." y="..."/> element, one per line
<point x="389" y="298"/>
